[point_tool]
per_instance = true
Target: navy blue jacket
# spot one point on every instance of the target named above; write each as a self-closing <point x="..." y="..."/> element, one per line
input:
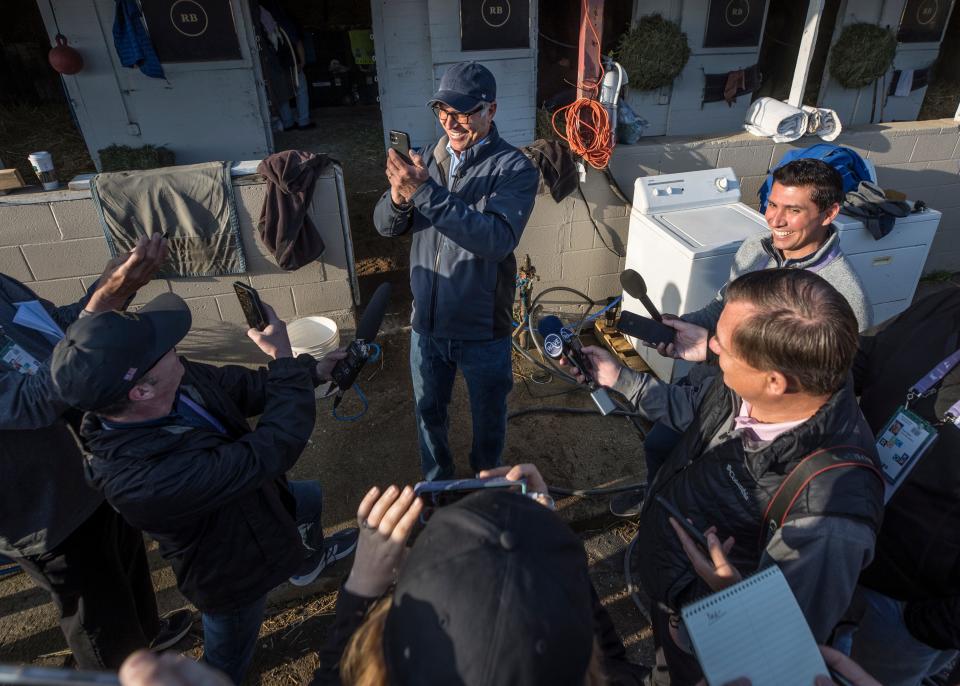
<point x="462" y="268"/>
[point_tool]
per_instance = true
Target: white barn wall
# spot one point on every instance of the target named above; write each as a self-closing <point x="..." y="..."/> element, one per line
<point x="855" y="106"/>
<point x="203" y="111"/>
<point x="415" y="42"/>
<point x="677" y="109"/>
<point x="402" y="46"/>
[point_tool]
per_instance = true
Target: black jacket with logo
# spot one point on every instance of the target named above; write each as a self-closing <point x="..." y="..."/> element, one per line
<point x="219" y="505"/>
<point x="721" y="483"/>
<point x="917" y="556"/>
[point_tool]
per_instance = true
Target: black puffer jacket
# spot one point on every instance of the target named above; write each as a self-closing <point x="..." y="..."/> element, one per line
<point x="218" y="505"/>
<point x="727" y="486"/>
<point x="917" y="558"/>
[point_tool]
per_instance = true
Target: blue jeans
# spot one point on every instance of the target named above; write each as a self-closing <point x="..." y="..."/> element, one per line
<point x="657" y="446"/>
<point x="488" y="371"/>
<point x="229" y="638"/>
<point x="884" y="647"/>
<point x="303" y="105"/>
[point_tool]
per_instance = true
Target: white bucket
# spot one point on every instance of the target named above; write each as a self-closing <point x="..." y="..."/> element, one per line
<point x="316" y="336"/>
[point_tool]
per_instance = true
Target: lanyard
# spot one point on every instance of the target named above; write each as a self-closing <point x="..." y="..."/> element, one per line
<point x="928" y="386"/>
<point x="202" y="413"/>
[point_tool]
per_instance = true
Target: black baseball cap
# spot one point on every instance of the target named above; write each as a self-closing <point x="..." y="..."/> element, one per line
<point x="494" y="591"/>
<point x="101" y="357"/>
<point x="464" y="86"/>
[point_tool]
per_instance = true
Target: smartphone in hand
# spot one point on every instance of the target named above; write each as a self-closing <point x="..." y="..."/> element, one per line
<point x="251" y="305"/>
<point x="644" y="328"/>
<point x="694" y="532"/>
<point x="400" y="143"/>
<point x="440" y="493"/>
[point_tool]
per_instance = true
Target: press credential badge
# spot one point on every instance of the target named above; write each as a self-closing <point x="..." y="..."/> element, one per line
<point x="901" y="443"/>
<point x="17" y="357"/>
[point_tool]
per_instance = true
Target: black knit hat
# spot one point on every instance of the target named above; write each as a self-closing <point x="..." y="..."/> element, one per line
<point x="494" y="591"/>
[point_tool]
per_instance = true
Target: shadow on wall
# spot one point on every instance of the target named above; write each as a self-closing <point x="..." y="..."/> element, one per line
<point x="630" y="162"/>
<point x="220" y="343"/>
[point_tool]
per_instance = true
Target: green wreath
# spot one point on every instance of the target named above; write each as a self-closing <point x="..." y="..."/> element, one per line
<point x="653" y="53"/>
<point x="862" y="54"/>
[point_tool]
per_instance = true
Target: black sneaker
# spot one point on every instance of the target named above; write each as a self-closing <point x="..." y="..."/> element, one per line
<point x="627" y="504"/>
<point x="335" y="547"/>
<point x="173" y="627"/>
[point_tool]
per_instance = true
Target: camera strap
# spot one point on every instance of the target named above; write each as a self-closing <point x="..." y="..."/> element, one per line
<point x="813" y="465"/>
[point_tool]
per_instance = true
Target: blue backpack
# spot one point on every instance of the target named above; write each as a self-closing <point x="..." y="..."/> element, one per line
<point x="851" y="166"/>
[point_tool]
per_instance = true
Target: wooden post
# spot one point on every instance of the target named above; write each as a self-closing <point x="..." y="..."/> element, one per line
<point x="808" y="42"/>
<point x="591" y="31"/>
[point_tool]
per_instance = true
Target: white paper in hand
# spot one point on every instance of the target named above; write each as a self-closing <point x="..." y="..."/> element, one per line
<point x="754" y="629"/>
<point x="32" y="315"/>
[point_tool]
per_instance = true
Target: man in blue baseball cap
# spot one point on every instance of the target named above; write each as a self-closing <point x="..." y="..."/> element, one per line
<point x="466" y="199"/>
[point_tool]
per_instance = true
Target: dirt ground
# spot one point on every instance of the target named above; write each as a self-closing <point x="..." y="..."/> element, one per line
<point x="381" y="448"/>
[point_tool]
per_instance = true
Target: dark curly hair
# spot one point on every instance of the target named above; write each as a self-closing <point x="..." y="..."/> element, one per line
<point x="826" y="181"/>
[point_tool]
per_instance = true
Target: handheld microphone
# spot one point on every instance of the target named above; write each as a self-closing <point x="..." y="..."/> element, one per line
<point x="560" y="343"/>
<point x="346" y="370"/>
<point x="635" y="287"/>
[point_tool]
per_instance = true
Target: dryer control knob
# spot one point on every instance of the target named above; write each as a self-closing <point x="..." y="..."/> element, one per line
<point x="722" y="183"/>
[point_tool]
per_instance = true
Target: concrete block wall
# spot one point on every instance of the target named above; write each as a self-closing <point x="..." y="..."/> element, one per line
<point x="568" y="250"/>
<point x="54" y="243"/>
<point x="922" y="159"/>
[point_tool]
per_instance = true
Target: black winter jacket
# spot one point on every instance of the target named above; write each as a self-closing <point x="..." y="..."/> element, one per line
<point x="917" y="557"/>
<point x="727" y="486"/>
<point x="219" y="505"/>
<point x="43" y="496"/>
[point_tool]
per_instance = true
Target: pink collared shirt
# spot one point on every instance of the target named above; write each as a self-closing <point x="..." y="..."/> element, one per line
<point x="759" y="430"/>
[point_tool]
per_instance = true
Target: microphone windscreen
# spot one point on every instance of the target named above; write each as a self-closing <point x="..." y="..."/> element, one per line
<point x="548" y="325"/>
<point x="373" y="316"/>
<point x="633" y="283"/>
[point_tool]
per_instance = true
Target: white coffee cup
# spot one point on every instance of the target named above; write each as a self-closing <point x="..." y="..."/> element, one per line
<point x="42" y="163"/>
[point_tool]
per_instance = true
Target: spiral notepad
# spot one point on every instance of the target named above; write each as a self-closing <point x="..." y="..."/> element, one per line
<point x="754" y="629"/>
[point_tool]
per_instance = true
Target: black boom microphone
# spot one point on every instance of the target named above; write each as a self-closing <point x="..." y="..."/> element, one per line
<point x="635" y="287"/>
<point x="346" y="370"/>
<point x="559" y="342"/>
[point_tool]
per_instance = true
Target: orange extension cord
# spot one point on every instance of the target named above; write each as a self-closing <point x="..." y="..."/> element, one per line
<point x="587" y="123"/>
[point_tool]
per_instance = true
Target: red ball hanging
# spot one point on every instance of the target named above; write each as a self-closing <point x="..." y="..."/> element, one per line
<point x="63" y="58"/>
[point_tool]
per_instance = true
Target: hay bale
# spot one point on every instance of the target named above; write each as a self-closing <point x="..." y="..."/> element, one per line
<point x="862" y="54"/>
<point x="653" y="53"/>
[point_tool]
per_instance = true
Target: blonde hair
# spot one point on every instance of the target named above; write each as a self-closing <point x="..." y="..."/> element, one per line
<point x="363" y="662"/>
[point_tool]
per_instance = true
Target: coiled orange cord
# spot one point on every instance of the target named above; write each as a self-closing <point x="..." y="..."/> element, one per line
<point x="588" y="131"/>
<point x="586" y="121"/>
